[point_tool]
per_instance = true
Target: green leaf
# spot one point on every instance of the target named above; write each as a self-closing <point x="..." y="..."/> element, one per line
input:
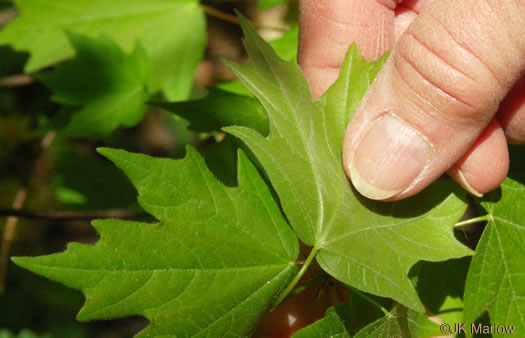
<point x="171" y="31"/>
<point x="202" y="270"/>
<point x="402" y="322"/>
<point x="367" y="244"/>
<point x="25" y="333"/>
<point x="496" y="279"/>
<point x="441" y="286"/>
<point x="267" y="4"/>
<point x="285" y="47"/>
<point x="104" y="87"/>
<point x="85" y="180"/>
<point x="220" y="109"/>
<point x="330" y="326"/>
<point x="361" y="311"/>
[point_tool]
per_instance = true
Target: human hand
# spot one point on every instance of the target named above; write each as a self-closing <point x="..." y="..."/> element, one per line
<point x="450" y="97"/>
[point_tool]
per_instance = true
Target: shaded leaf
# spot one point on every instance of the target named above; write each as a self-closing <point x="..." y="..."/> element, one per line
<point x="267" y="4"/>
<point x="220" y="109"/>
<point x="171" y="31"/>
<point x="86" y="181"/>
<point x="402" y="322"/>
<point x="367" y="244"/>
<point x="330" y="326"/>
<point x="103" y="87"/>
<point x="496" y="278"/>
<point x="360" y="312"/>
<point x="441" y="285"/>
<point x="202" y="270"/>
<point x="25" y="333"/>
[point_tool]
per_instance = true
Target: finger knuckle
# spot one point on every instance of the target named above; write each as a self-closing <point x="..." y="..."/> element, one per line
<point x="441" y="78"/>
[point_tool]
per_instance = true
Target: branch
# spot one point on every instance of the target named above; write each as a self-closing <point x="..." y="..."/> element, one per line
<point x="71" y="215"/>
<point x="8" y="235"/>
<point x="16" y="80"/>
<point x="233" y="19"/>
<point x="7" y="15"/>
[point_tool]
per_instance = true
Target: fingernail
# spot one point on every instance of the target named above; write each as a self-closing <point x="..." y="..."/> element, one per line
<point x="388" y="158"/>
<point x="464" y="183"/>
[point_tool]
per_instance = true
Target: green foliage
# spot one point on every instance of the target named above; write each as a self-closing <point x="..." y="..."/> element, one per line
<point x="369" y="245"/>
<point x="285" y="47"/>
<point x="496" y="279"/>
<point x="102" y="87"/>
<point x="267" y="4"/>
<point x="202" y="270"/>
<point x="441" y="285"/>
<point x="87" y="181"/>
<point x="22" y="334"/>
<point x="172" y="33"/>
<point x="401" y="322"/>
<point x="223" y="249"/>
<point x="330" y="326"/>
<point x="220" y="109"/>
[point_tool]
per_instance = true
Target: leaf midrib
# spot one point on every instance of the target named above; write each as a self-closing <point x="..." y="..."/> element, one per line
<point x="219" y="269"/>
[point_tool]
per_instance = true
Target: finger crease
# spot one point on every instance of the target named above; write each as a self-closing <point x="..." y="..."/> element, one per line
<point x="466" y="49"/>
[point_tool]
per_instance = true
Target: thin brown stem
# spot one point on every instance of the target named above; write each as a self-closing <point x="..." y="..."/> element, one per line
<point x="16" y="80"/>
<point x="7" y="15"/>
<point x="233" y="19"/>
<point x="18" y="203"/>
<point x="71" y="215"/>
<point x="9" y="231"/>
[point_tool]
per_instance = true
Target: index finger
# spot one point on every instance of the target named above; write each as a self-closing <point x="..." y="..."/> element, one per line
<point x="328" y="27"/>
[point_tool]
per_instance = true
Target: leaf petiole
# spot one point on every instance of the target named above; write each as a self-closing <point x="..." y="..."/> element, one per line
<point x="298" y="277"/>
<point x="370" y="300"/>
<point x="473" y="220"/>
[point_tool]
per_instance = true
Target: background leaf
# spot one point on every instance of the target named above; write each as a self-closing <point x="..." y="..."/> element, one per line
<point x="285" y="47"/>
<point x="220" y="109"/>
<point x="403" y="322"/>
<point x="203" y="270"/>
<point x="496" y="278"/>
<point x="441" y="286"/>
<point x="267" y="4"/>
<point x="330" y="326"/>
<point x="25" y="333"/>
<point x="171" y="31"/>
<point x="106" y="85"/>
<point x="367" y="244"/>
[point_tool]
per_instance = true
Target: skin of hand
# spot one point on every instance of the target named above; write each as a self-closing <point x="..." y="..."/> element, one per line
<point x="450" y="97"/>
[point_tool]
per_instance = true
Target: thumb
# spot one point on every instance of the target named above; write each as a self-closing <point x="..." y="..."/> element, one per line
<point x="438" y="91"/>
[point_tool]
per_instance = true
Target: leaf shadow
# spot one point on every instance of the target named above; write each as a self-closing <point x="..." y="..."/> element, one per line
<point x="417" y="205"/>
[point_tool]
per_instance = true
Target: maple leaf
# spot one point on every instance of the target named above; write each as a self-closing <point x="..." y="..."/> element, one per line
<point x="496" y="278"/>
<point x="400" y="322"/>
<point x="220" y="108"/>
<point x="171" y="31"/>
<point x="210" y="267"/>
<point x="367" y="244"/>
<point x="102" y="87"/>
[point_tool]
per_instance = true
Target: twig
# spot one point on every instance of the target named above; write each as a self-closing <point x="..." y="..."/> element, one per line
<point x="9" y="232"/>
<point x="233" y="19"/>
<point x="18" y="203"/>
<point x="7" y="15"/>
<point x="16" y="80"/>
<point x="71" y="215"/>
